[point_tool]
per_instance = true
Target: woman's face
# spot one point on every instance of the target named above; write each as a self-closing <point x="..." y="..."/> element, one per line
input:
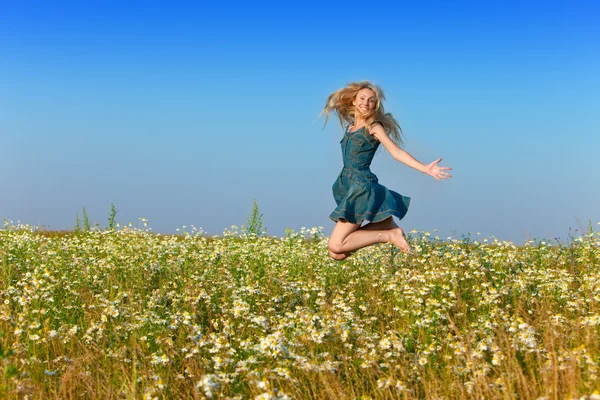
<point x="364" y="102"/>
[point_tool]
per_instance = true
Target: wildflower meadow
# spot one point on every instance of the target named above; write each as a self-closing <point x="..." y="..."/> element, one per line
<point x="125" y="313"/>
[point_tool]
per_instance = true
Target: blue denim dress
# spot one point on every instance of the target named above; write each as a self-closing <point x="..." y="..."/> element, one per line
<point x="357" y="192"/>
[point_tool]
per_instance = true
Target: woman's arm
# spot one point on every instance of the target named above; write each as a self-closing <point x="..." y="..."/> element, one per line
<point x="432" y="169"/>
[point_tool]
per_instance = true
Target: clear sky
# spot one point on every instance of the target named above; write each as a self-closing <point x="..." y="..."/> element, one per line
<point x="183" y="113"/>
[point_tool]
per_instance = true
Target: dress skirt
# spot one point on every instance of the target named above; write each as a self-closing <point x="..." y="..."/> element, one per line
<point x="360" y="197"/>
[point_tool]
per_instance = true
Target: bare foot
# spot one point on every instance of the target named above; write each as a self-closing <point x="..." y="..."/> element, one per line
<point x="399" y="240"/>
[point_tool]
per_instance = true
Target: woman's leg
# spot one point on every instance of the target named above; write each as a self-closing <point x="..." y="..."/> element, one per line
<point x="340" y="231"/>
<point x="397" y="236"/>
<point x="347" y="237"/>
<point x="389" y="224"/>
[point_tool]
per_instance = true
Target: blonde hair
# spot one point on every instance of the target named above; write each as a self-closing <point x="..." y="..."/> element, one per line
<point x="340" y="103"/>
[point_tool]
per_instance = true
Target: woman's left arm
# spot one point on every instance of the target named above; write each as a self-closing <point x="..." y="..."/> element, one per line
<point x="403" y="156"/>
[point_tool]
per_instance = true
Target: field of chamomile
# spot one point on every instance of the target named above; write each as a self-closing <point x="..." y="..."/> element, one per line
<point x="128" y="314"/>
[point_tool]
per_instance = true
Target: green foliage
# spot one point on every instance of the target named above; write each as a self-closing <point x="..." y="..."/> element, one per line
<point x="11" y="371"/>
<point x="4" y="354"/>
<point x="254" y="222"/>
<point x="77" y="225"/>
<point x="86" y="221"/>
<point x="111" y="216"/>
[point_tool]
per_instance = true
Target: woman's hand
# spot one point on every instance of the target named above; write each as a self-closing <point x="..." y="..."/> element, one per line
<point x="436" y="171"/>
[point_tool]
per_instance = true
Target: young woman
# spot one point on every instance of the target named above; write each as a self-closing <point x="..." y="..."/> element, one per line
<point x="357" y="192"/>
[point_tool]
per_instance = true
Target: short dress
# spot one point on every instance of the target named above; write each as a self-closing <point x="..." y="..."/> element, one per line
<point x="357" y="192"/>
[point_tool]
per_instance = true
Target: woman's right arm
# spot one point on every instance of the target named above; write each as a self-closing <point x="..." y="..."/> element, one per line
<point x="403" y="156"/>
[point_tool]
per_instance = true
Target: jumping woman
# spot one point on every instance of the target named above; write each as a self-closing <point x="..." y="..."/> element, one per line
<point x="359" y="196"/>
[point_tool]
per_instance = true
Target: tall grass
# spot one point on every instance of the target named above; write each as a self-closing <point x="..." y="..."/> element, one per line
<point x="130" y="314"/>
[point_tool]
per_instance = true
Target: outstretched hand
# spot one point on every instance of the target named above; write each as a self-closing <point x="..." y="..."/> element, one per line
<point x="436" y="171"/>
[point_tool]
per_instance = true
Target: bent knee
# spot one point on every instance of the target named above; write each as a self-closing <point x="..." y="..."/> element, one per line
<point x="337" y="256"/>
<point x="335" y="247"/>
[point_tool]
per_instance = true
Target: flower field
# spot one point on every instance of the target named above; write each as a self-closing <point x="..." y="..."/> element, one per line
<point x="128" y="314"/>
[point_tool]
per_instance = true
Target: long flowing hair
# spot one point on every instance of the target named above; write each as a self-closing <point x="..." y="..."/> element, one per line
<point x="340" y="103"/>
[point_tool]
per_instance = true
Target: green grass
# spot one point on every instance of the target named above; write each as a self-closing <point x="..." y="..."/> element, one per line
<point x="131" y="314"/>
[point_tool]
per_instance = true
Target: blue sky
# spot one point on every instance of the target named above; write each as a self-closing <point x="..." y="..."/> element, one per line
<point x="183" y="113"/>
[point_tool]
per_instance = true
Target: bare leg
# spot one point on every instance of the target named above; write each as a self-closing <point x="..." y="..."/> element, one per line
<point x="340" y="255"/>
<point x="347" y="237"/>
<point x="386" y="224"/>
<point x="398" y="238"/>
